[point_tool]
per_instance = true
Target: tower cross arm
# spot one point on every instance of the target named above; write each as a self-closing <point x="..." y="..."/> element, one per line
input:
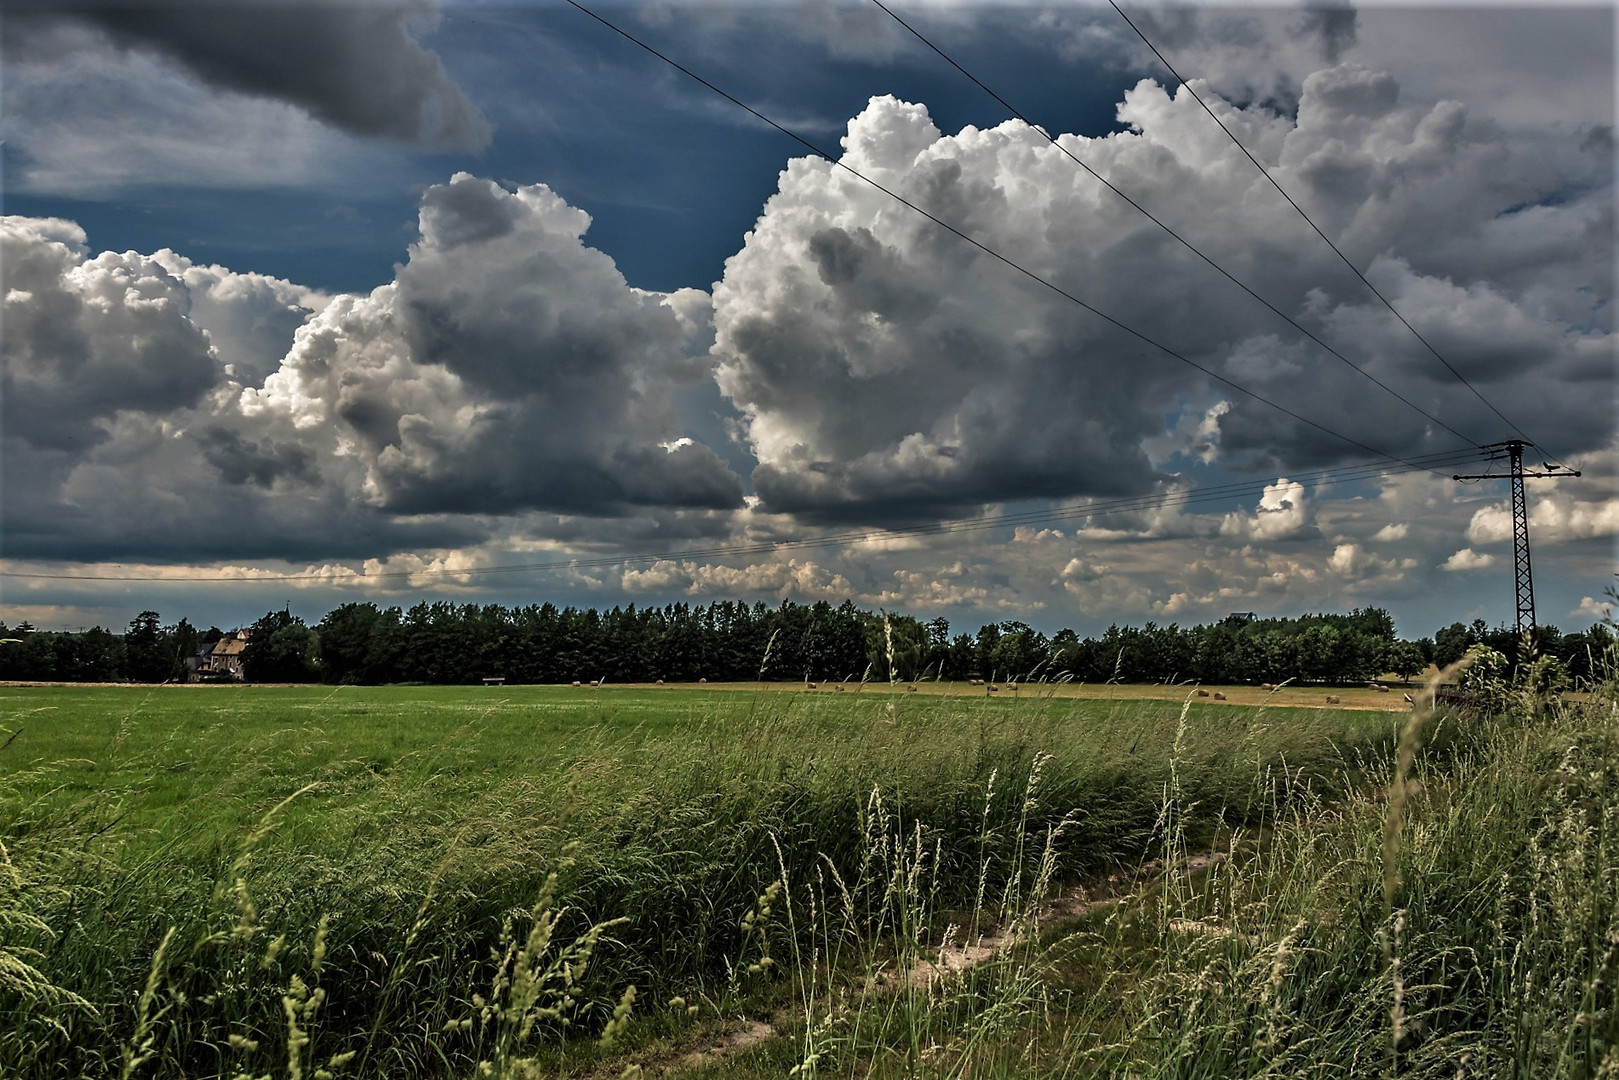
<point x="1556" y="470"/>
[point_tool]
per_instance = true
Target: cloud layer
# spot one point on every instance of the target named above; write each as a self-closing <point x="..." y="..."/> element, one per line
<point x="507" y="394"/>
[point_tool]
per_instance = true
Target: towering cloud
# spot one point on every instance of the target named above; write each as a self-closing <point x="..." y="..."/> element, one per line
<point x="883" y="365"/>
<point x="508" y="367"/>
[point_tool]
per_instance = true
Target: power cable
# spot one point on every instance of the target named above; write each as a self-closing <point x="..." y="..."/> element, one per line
<point x="1166" y="228"/>
<point x="818" y="152"/>
<point x="1102" y="508"/>
<point x="1290" y="201"/>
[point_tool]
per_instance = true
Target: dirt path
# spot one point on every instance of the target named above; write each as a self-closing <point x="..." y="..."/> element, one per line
<point x="1067" y="907"/>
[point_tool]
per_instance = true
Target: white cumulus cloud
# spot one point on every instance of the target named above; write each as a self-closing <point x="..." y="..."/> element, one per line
<point x="1283" y="513"/>
<point x="1468" y="559"/>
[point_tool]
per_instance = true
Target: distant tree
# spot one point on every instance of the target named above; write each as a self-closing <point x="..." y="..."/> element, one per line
<point x="184" y="641"/>
<point x="958" y="663"/>
<point x="1217" y="656"/>
<point x="148" y="650"/>
<point x="34" y="658"/>
<point x="1317" y="649"/>
<point x="1373" y="622"/>
<point x="97" y="655"/>
<point x="1405" y="659"/>
<point x="984" y="651"/>
<point x="1584" y="654"/>
<point x="280" y="649"/>
<point x="346" y="643"/>
<point x="1064" y="652"/>
<point x="1019" y="651"/>
<point x="1451" y="644"/>
<point x="905" y="636"/>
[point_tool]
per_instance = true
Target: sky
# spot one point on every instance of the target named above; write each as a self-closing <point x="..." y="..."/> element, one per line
<point x="402" y="300"/>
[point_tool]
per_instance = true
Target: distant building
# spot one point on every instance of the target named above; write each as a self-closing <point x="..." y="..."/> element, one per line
<point x="225" y="657"/>
<point x="196" y="663"/>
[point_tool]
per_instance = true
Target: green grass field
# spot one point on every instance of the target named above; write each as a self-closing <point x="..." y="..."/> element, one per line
<point x="168" y="761"/>
<point x="411" y="881"/>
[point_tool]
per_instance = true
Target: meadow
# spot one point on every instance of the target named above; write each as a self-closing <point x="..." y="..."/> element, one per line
<point x="449" y="882"/>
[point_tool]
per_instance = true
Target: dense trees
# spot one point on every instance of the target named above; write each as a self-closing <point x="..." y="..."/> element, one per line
<point x="442" y="642"/>
<point x="89" y="656"/>
<point x="447" y="643"/>
<point x="282" y="649"/>
<point x="146" y="652"/>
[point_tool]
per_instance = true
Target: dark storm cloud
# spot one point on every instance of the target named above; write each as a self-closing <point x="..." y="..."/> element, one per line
<point x="107" y="367"/>
<point x="241" y="461"/>
<point x="356" y="66"/>
<point x="1335" y="27"/>
<point x="168" y="505"/>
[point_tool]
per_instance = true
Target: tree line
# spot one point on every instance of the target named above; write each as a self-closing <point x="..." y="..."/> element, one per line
<point x="729" y="641"/>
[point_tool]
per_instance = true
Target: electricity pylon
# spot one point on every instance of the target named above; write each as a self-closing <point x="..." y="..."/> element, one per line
<point x="1512" y="450"/>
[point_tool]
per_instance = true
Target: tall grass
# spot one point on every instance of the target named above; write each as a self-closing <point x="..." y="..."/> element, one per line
<point x="1450" y="909"/>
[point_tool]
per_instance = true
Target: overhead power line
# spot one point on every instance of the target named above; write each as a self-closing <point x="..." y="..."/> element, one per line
<point x="1523" y="574"/>
<point x="985" y="248"/>
<point x="1187" y="244"/>
<point x="1290" y="201"/>
<point x="1100" y="508"/>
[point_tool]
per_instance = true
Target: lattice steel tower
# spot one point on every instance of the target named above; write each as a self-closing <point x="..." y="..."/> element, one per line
<point x="1512" y="451"/>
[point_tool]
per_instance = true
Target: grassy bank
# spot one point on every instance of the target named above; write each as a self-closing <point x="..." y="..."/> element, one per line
<point x="1450" y="911"/>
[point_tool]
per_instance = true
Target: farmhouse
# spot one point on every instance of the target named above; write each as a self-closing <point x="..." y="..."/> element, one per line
<point x="225" y="658"/>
